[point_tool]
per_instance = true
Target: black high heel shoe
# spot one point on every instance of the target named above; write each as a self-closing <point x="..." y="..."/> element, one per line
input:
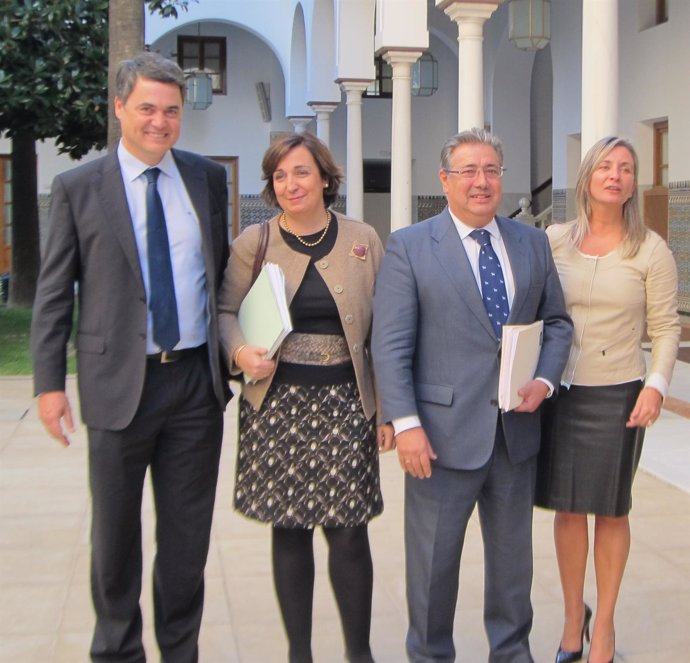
<point x="572" y="656"/>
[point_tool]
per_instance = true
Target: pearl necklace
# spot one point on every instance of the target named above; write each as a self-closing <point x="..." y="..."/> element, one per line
<point x="284" y="223"/>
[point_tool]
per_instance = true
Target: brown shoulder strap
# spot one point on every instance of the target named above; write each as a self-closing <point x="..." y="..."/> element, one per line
<point x="260" y="251"/>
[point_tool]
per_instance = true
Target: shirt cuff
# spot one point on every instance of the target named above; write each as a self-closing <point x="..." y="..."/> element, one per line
<point x="658" y="382"/>
<point x="405" y="423"/>
<point x="548" y="384"/>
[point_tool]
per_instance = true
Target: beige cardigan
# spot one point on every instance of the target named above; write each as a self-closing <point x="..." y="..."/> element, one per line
<point x="611" y="299"/>
<point x="349" y="278"/>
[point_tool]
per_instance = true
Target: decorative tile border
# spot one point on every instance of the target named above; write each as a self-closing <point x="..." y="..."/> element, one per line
<point x="428" y="206"/>
<point x="559" y="199"/>
<point x="679" y="237"/>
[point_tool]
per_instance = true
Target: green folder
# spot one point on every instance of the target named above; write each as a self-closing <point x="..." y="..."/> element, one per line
<point x="264" y="315"/>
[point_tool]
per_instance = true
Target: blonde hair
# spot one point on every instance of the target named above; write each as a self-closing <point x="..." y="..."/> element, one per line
<point x="634" y="228"/>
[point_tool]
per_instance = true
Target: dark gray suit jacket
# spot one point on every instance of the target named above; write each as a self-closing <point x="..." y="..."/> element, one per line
<point x="91" y="242"/>
<point x="434" y="349"/>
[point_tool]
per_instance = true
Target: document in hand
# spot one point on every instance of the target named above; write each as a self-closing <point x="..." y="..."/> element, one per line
<point x="520" y="348"/>
<point x="264" y="315"/>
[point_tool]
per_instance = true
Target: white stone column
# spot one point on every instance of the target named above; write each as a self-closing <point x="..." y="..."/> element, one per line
<point x="470" y="18"/>
<point x="401" y="139"/>
<point x="599" y="71"/>
<point x="323" y="119"/>
<point x="354" y="170"/>
<point x="300" y="122"/>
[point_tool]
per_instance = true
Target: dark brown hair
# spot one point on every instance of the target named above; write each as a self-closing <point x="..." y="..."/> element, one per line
<point x="328" y="170"/>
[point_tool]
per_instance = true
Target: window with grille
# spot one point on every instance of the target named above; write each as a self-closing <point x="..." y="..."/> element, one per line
<point x="207" y="54"/>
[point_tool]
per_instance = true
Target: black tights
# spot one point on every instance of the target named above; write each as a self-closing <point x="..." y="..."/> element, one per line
<point x="351" y="573"/>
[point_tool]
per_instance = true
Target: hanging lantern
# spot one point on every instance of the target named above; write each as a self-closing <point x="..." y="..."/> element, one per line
<point x="425" y="76"/>
<point x="198" y="89"/>
<point x="530" y="23"/>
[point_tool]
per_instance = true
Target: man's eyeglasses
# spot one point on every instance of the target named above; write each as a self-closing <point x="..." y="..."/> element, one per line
<point x="469" y="173"/>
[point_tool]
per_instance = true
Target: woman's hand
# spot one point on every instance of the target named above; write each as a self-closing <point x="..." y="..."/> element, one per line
<point x="250" y="360"/>
<point x="385" y="437"/>
<point x="647" y="408"/>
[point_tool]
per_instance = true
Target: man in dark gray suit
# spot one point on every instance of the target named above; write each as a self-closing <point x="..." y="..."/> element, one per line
<point x="151" y="383"/>
<point x="436" y="349"/>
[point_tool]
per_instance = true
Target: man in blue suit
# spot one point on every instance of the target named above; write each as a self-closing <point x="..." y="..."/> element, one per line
<point x="436" y="349"/>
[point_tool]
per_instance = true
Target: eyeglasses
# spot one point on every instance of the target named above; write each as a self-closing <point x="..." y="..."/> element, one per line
<point x="469" y="173"/>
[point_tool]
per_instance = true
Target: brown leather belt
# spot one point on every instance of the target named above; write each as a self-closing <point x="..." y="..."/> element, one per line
<point x="170" y="356"/>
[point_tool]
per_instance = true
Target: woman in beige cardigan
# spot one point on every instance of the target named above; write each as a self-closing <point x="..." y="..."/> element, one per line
<point x="308" y="448"/>
<point x="618" y="278"/>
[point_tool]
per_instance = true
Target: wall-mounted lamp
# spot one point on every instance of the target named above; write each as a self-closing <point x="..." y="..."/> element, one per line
<point x="425" y="76"/>
<point x="198" y="89"/>
<point x="263" y="94"/>
<point x="530" y="23"/>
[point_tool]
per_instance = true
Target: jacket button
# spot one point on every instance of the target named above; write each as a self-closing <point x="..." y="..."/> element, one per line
<point x="323" y="264"/>
<point x="355" y="347"/>
<point x="337" y="289"/>
<point x="494" y="402"/>
<point x="349" y="318"/>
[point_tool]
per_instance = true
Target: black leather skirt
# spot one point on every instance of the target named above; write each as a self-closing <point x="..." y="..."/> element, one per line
<point x="588" y="458"/>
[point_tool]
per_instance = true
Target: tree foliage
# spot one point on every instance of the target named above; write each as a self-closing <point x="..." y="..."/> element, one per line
<point x="53" y="84"/>
<point x="53" y="69"/>
<point x="53" y="72"/>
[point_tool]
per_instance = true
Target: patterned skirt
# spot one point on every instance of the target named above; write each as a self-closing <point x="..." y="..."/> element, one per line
<point x="308" y="457"/>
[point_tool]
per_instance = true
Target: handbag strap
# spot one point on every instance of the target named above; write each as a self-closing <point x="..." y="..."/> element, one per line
<point x="260" y="251"/>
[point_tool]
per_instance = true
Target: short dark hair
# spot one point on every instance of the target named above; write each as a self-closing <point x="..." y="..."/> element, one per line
<point x="152" y="66"/>
<point x="328" y="169"/>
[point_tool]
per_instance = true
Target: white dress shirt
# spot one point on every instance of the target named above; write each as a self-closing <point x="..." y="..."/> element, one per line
<point x="184" y="236"/>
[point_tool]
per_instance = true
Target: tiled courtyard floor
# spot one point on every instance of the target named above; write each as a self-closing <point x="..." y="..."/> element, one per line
<point x="46" y="614"/>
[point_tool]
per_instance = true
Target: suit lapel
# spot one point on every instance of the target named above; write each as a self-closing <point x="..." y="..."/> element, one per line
<point x="519" y="258"/>
<point x="453" y="258"/>
<point x="111" y="190"/>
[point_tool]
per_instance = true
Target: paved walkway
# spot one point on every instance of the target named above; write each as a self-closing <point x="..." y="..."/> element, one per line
<point x="46" y="614"/>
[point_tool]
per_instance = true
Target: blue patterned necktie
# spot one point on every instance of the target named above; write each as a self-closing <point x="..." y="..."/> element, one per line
<point x="494" y="292"/>
<point x="166" y="327"/>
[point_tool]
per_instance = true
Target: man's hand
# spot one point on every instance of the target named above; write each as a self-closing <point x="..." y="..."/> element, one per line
<point x="415" y="453"/>
<point x="533" y="393"/>
<point x="53" y="408"/>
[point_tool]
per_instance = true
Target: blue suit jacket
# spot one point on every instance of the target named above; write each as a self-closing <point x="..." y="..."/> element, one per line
<point x="434" y="349"/>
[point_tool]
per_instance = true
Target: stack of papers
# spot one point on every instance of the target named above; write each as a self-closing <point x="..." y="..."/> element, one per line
<point x="520" y="348"/>
<point x="264" y="315"/>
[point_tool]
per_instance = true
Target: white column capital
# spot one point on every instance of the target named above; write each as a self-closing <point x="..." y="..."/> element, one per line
<point x="401" y="56"/>
<point x="351" y="88"/>
<point x="300" y="122"/>
<point x="468" y="13"/>
<point x="322" y="106"/>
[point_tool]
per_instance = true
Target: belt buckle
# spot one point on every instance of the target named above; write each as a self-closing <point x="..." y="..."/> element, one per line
<point x="168" y="357"/>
